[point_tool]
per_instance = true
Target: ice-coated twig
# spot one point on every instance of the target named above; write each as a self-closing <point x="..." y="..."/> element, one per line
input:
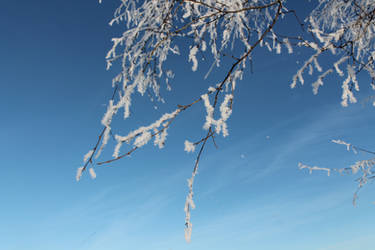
<point x="365" y="167"/>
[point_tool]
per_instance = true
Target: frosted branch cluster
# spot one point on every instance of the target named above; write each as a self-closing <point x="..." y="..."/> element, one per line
<point x="346" y="30"/>
<point x="143" y="135"/>
<point x="365" y="167"/>
<point x="311" y="169"/>
<point x="153" y="30"/>
<point x="218" y="32"/>
<point x="225" y="111"/>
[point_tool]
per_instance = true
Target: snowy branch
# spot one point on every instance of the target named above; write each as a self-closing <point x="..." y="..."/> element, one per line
<point x="219" y="31"/>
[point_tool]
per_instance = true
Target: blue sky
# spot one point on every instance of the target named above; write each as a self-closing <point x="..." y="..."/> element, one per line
<point x="249" y="192"/>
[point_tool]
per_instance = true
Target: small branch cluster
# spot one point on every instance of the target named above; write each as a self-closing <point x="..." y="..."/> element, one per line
<point x="346" y="30"/>
<point x="212" y="29"/>
<point x="365" y="167"/>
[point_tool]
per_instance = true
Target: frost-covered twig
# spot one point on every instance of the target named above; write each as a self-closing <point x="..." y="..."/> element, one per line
<point x="218" y="30"/>
<point x="87" y="159"/>
<point x="347" y="30"/>
<point x="365" y="167"/>
<point x="303" y="166"/>
<point x="189" y="203"/>
<point x="152" y="27"/>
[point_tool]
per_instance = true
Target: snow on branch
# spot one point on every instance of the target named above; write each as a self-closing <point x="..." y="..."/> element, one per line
<point x="365" y="167"/>
<point x="142" y="135"/>
<point x="219" y="32"/>
<point x="151" y="30"/>
<point x="346" y="30"/>
<point x="189" y="146"/>
<point x="79" y="173"/>
<point x="348" y="145"/>
<point x="303" y="166"/>
<point x="225" y="111"/>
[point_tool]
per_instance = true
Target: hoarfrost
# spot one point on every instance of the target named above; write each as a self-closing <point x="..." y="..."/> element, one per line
<point x="79" y="173"/>
<point x="189" y="146"/>
<point x="142" y="139"/>
<point x="288" y="45"/>
<point x="348" y="145"/>
<point x="151" y="29"/>
<point x="225" y="111"/>
<point x="87" y="156"/>
<point x="193" y="58"/>
<point x="302" y="166"/>
<point x="92" y="173"/>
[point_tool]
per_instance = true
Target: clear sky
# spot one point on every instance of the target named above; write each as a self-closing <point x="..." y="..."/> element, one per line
<point x="249" y="192"/>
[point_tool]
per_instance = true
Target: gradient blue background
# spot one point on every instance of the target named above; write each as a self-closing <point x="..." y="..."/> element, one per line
<point x="249" y="192"/>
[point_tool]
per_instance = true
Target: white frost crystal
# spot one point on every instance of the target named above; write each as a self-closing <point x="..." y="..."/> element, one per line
<point x="79" y="173"/>
<point x="92" y="173"/>
<point x="226" y="29"/>
<point x="88" y="155"/>
<point x="225" y="112"/>
<point x="193" y="58"/>
<point x="302" y="166"/>
<point x="189" y="146"/>
<point x="142" y="139"/>
<point x="342" y="143"/>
